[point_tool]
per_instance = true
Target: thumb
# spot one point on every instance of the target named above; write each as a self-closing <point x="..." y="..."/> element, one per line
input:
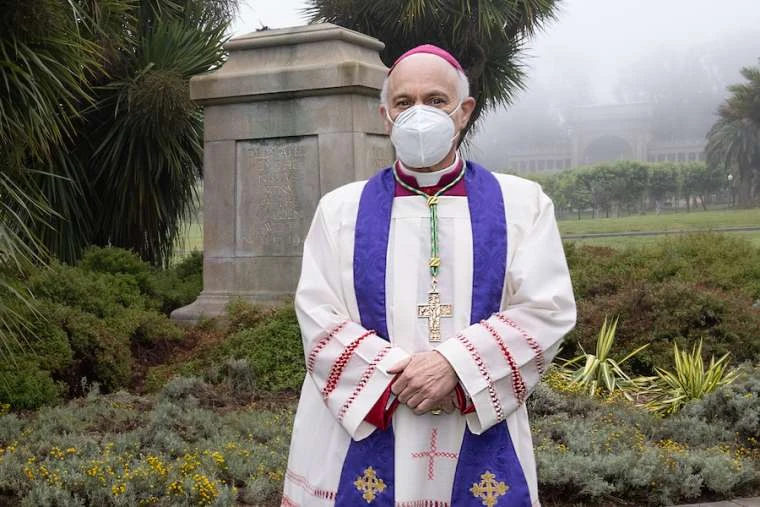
<point x="399" y="367"/>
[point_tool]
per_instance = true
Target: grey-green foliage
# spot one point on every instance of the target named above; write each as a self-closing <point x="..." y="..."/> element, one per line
<point x="589" y="451"/>
<point x="735" y="407"/>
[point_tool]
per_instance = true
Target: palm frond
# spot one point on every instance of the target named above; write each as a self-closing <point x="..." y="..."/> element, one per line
<point x="487" y="36"/>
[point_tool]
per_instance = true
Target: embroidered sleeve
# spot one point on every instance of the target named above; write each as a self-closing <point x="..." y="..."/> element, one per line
<point x="499" y="360"/>
<point x="346" y="363"/>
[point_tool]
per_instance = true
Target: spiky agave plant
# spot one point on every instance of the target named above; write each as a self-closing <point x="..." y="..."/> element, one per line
<point x="598" y="372"/>
<point x="689" y="380"/>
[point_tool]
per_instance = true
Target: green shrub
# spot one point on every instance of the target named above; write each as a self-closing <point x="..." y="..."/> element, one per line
<point x="165" y="289"/>
<point x="179" y="285"/>
<point x="23" y="385"/>
<point x="273" y="348"/>
<point x="92" y="316"/>
<point x="116" y="261"/>
<point x="101" y="349"/>
<point x="32" y="365"/>
<point x="716" y="261"/>
<point x="243" y="315"/>
<point x="100" y="294"/>
<point x="671" y="312"/>
<point x="153" y="327"/>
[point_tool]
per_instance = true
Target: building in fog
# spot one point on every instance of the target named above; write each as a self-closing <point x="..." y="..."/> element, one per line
<point x="603" y="134"/>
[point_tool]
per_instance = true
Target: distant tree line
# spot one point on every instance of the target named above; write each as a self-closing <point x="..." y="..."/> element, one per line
<point x="628" y="187"/>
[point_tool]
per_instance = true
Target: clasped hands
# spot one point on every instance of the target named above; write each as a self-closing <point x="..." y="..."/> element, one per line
<point x="425" y="382"/>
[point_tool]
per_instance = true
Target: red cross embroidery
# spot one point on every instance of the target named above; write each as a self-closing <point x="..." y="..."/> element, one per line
<point x="433" y="453"/>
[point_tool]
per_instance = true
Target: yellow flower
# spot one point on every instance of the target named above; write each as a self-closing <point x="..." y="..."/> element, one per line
<point x="157" y="466"/>
<point x="119" y="488"/>
<point x="218" y="458"/>
<point x="189" y="463"/>
<point x="176" y="488"/>
<point x="205" y="490"/>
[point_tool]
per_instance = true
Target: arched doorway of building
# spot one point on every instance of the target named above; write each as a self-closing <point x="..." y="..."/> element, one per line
<point x="607" y="149"/>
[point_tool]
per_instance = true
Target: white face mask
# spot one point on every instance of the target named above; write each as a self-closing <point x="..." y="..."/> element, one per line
<point x="422" y="135"/>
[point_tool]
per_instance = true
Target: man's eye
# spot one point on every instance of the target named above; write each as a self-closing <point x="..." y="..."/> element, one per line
<point x="437" y="101"/>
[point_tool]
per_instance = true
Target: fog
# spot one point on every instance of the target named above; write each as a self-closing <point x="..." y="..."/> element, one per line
<point x="677" y="55"/>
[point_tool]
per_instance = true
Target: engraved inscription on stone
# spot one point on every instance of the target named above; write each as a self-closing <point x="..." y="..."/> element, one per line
<point x="379" y="154"/>
<point x="277" y="192"/>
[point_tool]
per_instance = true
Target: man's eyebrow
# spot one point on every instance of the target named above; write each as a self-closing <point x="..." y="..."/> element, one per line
<point x="437" y="91"/>
<point x="430" y="93"/>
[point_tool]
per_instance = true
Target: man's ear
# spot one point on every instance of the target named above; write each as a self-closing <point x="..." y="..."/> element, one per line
<point x="466" y="108"/>
<point x="383" y="114"/>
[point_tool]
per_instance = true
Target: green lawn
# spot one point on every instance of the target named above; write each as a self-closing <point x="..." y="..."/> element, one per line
<point x="626" y="241"/>
<point x="191" y="239"/>
<point x="696" y="220"/>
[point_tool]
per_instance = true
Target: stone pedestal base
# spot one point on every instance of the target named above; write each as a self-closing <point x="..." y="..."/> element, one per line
<point x="213" y="306"/>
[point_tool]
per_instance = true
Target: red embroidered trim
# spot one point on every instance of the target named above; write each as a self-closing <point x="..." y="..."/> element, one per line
<point x="340" y="364"/>
<point x="433" y="453"/>
<point x="368" y="372"/>
<point x="301" y="482"/>
<point x="423" y="503"/>
<point x="484" y="372"/>
<point x="287" y="502"/>
<point x="518" y="384"/>
<point x="322" y="343"/>
<point x="540" y="361"/>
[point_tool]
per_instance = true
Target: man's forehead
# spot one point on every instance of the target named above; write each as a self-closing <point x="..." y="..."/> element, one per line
<point x="426" y="70"/>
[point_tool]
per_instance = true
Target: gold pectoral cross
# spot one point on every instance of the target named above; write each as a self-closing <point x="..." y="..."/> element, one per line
<point x="433" y="311"/>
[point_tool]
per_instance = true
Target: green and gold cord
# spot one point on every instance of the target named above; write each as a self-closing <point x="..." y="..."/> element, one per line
<point x="432" y="201"/>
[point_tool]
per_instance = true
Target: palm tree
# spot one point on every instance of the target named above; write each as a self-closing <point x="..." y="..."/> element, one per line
<point x="99" y="142"/>
<point x="144" y="135"/>
<point x="132" y="163"/>
<point x="45" y="58"/>
<point x="734" y="140"/>
<point x="486" y="36"/>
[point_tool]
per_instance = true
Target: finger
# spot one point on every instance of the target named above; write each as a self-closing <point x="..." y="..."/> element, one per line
<point x="407" y="395"/>
<point x="399" y="367"/>
<point x="425" y="406"/>
<point x="398" y="384"/>
<point x="415" y="400"/>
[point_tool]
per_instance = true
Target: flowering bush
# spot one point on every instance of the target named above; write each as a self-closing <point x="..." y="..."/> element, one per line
<point x="122" y="449"/>
<point x="592" y="451"/>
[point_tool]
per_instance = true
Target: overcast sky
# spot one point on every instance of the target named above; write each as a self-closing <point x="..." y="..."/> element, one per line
<point x="598" y="33"/>
<point x="591" y="41"/>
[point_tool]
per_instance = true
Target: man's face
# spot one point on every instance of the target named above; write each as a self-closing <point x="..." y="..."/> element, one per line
<point x="424" y="79"/>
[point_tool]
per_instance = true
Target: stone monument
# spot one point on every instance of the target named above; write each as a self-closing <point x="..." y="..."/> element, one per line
<point x="291" y="115"/>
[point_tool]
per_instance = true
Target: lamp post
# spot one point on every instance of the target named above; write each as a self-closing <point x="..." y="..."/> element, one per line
<point x="731" y="186"/>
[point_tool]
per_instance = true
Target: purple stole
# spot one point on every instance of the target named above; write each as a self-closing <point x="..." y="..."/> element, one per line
<point x="491" y="451"/>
